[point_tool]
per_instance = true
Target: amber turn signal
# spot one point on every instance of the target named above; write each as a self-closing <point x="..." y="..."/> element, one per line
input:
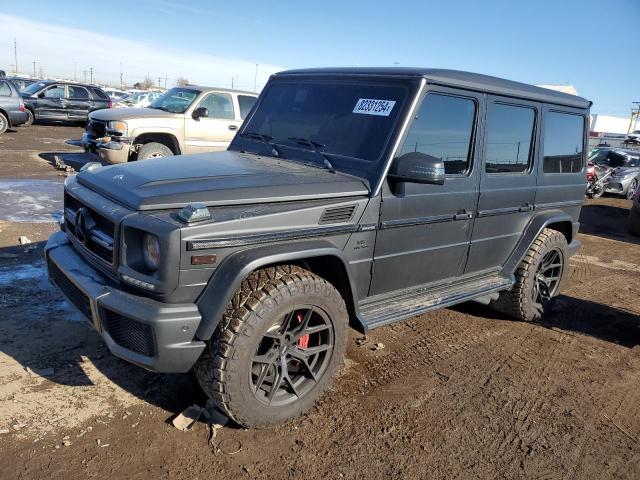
<point x="203" y="259"/>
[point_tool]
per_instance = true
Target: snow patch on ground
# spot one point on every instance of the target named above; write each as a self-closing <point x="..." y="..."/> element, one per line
<point x="34" y="201"/>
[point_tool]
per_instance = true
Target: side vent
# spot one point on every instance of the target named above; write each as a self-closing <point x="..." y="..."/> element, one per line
<point x="338" y="214"/>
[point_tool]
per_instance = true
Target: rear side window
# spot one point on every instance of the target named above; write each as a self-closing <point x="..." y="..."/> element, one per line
<point x="443" y="129"/>
<point x="563" y="142"/>
<point x="246" y="103"/>
<point x="509" y="137"/>
<point x="78" y="93"/>
<point x="100" y="94"/>
<point x="5" y="89"/>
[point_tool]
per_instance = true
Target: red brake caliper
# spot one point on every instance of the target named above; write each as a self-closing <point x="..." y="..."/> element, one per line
<point x="303" y="341"/>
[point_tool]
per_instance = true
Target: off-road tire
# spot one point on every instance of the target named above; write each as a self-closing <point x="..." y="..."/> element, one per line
<point x="265" y="295"/>
<point x="30" y="118"/>
<point x="518" y="302"/>
<point x="633" y="223"/>
<point x="153" y="150"/>
<point x="4" y="123"/>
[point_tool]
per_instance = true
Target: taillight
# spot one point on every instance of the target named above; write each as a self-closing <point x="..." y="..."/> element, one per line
<point x="110" y="104"/>
<point x="21" y="108"/>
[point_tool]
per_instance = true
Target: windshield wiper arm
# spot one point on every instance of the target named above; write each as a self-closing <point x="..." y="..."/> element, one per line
<point x="315" y="147"/>
<point x="266" y="139"/>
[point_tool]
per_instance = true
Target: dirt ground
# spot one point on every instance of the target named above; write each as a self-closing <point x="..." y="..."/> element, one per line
<point x="458" y="393"/>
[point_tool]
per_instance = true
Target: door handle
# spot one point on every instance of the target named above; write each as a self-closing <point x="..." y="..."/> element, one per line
<point x="525" y="208"/>
<point x="233" y="127"/>
<point x="463" y="215"/>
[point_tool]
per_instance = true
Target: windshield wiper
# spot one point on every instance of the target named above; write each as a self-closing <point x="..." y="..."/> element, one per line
<point x="266" y="139"/>
<point x="315" y="147"/>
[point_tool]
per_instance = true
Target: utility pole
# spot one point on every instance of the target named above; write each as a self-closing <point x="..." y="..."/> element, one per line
<point x="255" y="80"/>
<point x="85" y="76"/>
<point x="121" y="84"/>
<point x="159" y="81"/>
<point x="165" y="82"/>
<point x="34" y="68"/>
<point x="91" y="74"/>
<point x="635" y="116"/>
<point x="15" y="52"/>
<point x="232" y="82"/>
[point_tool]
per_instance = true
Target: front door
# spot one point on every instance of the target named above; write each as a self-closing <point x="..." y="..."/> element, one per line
<point x="425" y="229"/>
<point x="215" y="132"/>
<point x="507" y="182"/>
<point x="52" y="103"/>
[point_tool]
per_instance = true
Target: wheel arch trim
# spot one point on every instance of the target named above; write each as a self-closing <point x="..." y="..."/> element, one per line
<point x="228" y="277"/>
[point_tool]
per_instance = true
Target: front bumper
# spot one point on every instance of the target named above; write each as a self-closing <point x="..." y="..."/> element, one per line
<point x="154" y="335"/>
<point x="619" y="186"/>
<point x="109" y="152"/>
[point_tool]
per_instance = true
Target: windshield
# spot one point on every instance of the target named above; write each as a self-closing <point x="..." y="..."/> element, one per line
<point x="176" y="100"/>
<point x="352" y="120"/>
<point x="33" y="88"/>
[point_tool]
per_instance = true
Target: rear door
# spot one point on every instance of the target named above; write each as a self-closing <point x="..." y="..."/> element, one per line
<point x="78" y="102"/>
<point x="215" y="132"/>
<point x="507" y="182"/>
<point x="51" y="103"/>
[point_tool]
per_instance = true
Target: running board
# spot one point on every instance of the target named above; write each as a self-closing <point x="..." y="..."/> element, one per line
<point x="406" y="305"/>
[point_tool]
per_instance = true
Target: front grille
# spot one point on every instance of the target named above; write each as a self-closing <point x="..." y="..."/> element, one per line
<point x="96" y="128"/>
<point x="129" y="333"/>
<point x="98" y="239"/>
<point x="69" y="289"/>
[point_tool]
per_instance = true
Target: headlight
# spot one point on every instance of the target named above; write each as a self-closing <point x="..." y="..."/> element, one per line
<point x="117" y="127"/>
<point x="151" y="251"/>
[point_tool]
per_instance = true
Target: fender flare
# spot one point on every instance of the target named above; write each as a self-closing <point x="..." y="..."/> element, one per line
<point x="536" y="225"/>
<point x="228" y="277"/>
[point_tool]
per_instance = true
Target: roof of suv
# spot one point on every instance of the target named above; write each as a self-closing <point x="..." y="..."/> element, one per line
<point x="456" y="78"/>
<point x="220" y="89"/>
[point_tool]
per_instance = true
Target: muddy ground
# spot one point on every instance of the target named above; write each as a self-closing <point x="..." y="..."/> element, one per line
<point x="459" y="393"/>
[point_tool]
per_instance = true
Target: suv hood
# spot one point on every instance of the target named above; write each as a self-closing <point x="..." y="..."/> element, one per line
<point x="108" y="114"/>
<point x="221" y="178"/>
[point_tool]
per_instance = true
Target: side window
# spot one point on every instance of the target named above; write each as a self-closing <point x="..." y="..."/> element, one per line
<point x="509" y="137"/>
<point x="563" y="142"/>
<point x="443" y="128"/>
<point x="56" y="91"/>
<point x="5" y="89"/>
<point x="78" y="93"/>
<point x="100" y="94"/>
<point x="246" y="104"/>
<point x="219" y="105"/>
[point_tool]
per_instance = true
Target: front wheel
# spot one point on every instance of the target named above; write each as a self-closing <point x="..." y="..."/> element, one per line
<point x="632" y="189"/>
<point x="538" y="278"/>
<point x="153" y="150"/>
<point x="280" y="342"/>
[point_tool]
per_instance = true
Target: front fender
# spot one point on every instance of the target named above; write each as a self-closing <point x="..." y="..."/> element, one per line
<point x="538" y="223"/>
<point x="235" y="268"/>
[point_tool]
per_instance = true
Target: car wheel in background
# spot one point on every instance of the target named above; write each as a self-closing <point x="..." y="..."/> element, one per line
<point x="29" y="118"/>
<point x="153" y="150"/>
<point x="632" y="188"/>
<point x="4" y="124"/>
<point x="537" y="279"/>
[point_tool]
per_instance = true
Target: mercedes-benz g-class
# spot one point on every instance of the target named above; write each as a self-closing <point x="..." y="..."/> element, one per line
<point x="349" y="197"/>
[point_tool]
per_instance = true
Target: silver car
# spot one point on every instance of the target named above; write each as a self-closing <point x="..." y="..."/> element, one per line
<point x="626" y="176"/>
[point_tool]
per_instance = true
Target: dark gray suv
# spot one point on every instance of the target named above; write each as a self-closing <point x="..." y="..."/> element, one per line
<point x="353" y="197"/>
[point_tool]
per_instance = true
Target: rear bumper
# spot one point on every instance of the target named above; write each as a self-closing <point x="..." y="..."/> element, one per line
<point x="148" y="333"/>
<point x="18" y="118"/>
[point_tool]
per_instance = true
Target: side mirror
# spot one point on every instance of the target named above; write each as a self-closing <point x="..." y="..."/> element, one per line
<point x="200" y="112"/>
<point x="417" y="167"/>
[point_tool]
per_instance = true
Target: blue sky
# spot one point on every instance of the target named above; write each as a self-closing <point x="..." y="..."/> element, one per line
<point x="591" y="44"/>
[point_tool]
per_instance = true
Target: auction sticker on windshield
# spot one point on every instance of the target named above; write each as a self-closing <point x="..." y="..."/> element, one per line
<point x="371" y="106"/>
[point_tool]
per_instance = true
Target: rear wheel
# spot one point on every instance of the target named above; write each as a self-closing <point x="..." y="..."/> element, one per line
<point x="4" y="123"/>
<point x="153" y="150"/>
<point x="30" y="118"/>
<point x="279" y="344"/>
<point x="537" y="279"/>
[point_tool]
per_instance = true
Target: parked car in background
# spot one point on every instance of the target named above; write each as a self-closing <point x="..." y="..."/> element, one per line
<point x="52" y="100"/>
<point x="625" y="177"/>
<point x="114" y="93"/>
<point x="12" y="110"/>
<point x="23" y="82"/>
<point x="139" y="100"/>
<point x="633" y="137"/>
<point x="187" y="119"/>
